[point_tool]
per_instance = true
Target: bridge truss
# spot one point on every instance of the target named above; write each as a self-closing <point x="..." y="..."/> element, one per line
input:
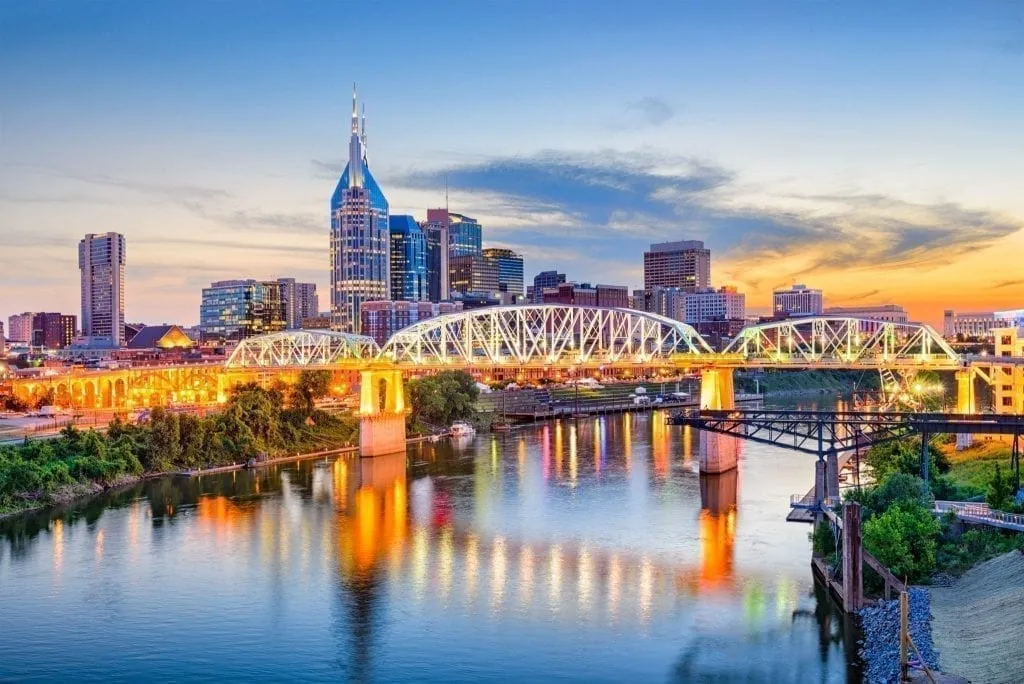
<point x="301" y="348"/>
<point x="544" y="334"/>
<point x="840" y="341"/>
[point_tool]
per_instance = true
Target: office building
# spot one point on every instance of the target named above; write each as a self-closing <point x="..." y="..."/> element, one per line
<point x="545" y="279"/>
<point x="19" y="327"/>
<point x="53" y="330"/>
<point x="381" y="320"/>
<point x="300" y="302"/>
<point x="1008" y="380"/>
<point x="409" y="276"/>
<point x="685" y="264"/>
<point x="890" y="313"/>
<point x="360" y="238"/>
<point x="510" y="271"/>
<point x="798" y="300"/>
<point x="236" y="309"/>
<point x="575" y="294"/>
<point x="101" y="261"/>
<point x="667" y="301"/>
<point x="438" y="254"/>
<point x="723" y="304"/>
<point x="473" y="273"/>
<point x="465" y="235"/>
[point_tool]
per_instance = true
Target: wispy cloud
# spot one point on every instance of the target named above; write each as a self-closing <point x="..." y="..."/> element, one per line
<point x="651" y="111"/>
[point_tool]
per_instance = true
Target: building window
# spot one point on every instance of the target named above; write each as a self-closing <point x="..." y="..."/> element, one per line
<point x="1007" y="401"/>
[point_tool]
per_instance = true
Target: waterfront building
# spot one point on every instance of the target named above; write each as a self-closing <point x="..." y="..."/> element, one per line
<point x="53" y="330"/>
<point x="360" y="238"/>
<point x="543" y="280"/>
<point x="474" y="273"/>
<point x="236" y="309"/>
<point x="409" y="276"/>
<point x="685" y="264"/>
<point x="1008" y="381"/>
<point x="300" y="301"/>
<point x="19" y="327"/>
<point x="381" y="320"/>
<point x="707" y="304"/>
<point x="798" y="300"/>
<point x="101" y="260"/>
<point x="510" y="271"/>
<point x="889" y="313"/>
<point x="979" y="324"/>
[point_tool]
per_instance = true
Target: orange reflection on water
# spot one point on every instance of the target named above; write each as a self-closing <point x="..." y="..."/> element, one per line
<point x="718" y="528"/>
<point x="660" y="445"/>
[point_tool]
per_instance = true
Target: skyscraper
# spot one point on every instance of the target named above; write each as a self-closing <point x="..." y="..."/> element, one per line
<point x="438" y="278"/>
<point x="360" y="241"/>
<point x="510" y="271"/>
<point x="798" y="300"/>
<point x="685" y="264"/>
<point x="408" y="260"/>
<point x="472" y="273"/>
<point x="543" y="280"/>
<point x="465" y="235"/>
<point x="236" y="309"/>
<point x="300" y="301"/>
<point x="101" y="261"/>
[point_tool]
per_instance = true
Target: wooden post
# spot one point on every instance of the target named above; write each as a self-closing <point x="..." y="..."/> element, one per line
<point x="853" y="578"/>
<point x="904" y="635"/>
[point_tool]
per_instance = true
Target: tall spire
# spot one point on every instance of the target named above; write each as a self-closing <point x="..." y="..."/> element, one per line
<point x="355" y="148"/>
<point x="363" y="133"/>
<point x="355" y="116"/>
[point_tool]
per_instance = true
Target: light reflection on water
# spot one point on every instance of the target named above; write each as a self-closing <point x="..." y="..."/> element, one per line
<point x="589" y="550"/>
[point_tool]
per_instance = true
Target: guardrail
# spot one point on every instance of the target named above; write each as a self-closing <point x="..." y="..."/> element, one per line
<point x="981" y="512"/>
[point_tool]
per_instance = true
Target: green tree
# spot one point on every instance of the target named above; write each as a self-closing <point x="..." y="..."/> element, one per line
<point x="904" y="456"/>
<point x="443" y="398"/>
<point x="311" y="385"/>
<point x="897" y="488"/>
<point x="904" y="538"/>
<point x="1000" y="491"/>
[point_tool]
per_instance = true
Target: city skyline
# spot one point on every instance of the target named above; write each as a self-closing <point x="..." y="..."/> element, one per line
<point x="868" y="152"/>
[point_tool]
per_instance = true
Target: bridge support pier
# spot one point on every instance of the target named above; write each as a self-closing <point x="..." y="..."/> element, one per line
<point x="820" y="479"/>
<point x="964" y="404"/>
<point x="381" y="413"/>
<point x="832" y="475"/>
<point x="716" y="390"/>
<point x="718" y="453"/>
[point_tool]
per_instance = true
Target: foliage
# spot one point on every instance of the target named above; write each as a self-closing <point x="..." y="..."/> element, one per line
<point x="956" y="555"/>
<point x="904" y="456"/>
<point x="254" y="423"/>
<point x="311" y="385"/>
<point x="823" y="540"/>
<point x="904" y="538"/>
<point x="443" y="398"/>
<point x="897" y="488"/>
<point x="1000" y="491"/>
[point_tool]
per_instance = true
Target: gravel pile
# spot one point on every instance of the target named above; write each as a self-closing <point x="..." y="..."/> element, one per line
<point x="880" y="647"/>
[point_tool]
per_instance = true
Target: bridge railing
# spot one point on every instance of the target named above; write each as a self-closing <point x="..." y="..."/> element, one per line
<point x="969" y="509"/>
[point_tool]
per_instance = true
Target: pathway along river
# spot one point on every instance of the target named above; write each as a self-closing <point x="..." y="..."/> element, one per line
<point x="577" y="552"/>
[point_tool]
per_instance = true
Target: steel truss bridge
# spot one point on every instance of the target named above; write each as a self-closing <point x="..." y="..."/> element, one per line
<point x="512" y="342"/>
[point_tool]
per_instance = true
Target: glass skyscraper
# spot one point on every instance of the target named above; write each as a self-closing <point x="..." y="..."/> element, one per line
<point x="360" y="239"/>
<point x="236" y="309"/>
<point x="465" y="236"/>
<point x="408" y="260"/>
<point x="510" y="270"/>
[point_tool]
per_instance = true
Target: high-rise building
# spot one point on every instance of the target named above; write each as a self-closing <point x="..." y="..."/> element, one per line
<point x="890" y="313"/>
<point x="300" y="302"/>
<point x="465" y="235"/>
<point x="19" y="327"/>
<point x="53" y="330"/>
<point x="438" y="254"/>
<point x="360" y="239"/>
<point x="474" y="273"/>
<point x="545" y="279"/>
<point x="706" y="304"/>
<point x="798" y="300"/>
<point x="685" y="264"/>
<point x="101" y="261"/>
<point x="510" y="270"/>
<point x="409" y="277"/>
<point x="381" y="320"/>
<point x="667" y="301"/>
<point x="236" y="309"/>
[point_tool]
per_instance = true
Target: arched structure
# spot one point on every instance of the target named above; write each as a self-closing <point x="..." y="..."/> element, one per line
<point x="301" y="348"/>
<point x="544" y="334"/>
<point x="849" y="342"/>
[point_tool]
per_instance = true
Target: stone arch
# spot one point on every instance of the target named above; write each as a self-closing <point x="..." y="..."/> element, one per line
<point x="381" y="392"/>
<point x="62" y="395"/>
<point x="89" y="398"/>
<point x="77" y="394"/>
<point x="120" y="392"/>
<point x="106" y="393"/>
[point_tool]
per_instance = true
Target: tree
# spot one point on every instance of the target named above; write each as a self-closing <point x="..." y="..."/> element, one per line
<point x="1000" y="491"/>
<point x="311" y="385"/>
<point x="904" y="456"/>
<point x="904" y="538"/>
<point x="897" y="488"/>
<point x="443" y="398"/>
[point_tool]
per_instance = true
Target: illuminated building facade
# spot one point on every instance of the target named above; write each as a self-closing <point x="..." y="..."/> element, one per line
<point x="236" y="309"/>
<point x="798" y="300"/>
<point x="685" y="264"/>
<point x="101" y="262"/>
<point x="409" y="277"/>
<point x="360" y="238"/>
<point x="510" y="272"/>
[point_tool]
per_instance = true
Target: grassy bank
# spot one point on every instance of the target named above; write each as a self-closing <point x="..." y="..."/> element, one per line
<point x="771" y="382"/>
<point x="256" y="423"/>
<point x="972" y="469"/>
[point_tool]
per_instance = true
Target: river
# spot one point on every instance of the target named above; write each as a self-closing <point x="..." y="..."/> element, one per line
<point x="588" y="551"/>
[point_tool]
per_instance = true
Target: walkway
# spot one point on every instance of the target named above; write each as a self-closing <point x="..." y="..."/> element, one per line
<point x="980" y="513"/>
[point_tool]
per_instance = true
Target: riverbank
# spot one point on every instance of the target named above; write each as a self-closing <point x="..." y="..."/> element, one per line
<point x="978" y="627"/>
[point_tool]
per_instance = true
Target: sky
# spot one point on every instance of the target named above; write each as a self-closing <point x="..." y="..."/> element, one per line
<point x="872" y="149"/>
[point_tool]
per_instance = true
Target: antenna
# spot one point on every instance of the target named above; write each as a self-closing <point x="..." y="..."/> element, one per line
<point x="446" y="196"/>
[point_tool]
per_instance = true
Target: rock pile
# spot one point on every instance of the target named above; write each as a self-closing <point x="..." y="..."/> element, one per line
<point x="880" y="647"/>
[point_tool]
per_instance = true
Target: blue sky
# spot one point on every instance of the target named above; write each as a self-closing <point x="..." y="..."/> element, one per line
<point x="873" y="149"/>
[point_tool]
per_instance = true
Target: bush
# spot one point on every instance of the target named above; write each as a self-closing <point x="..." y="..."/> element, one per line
<point x="904" y="538"/>
<point x="1000" y="491"/>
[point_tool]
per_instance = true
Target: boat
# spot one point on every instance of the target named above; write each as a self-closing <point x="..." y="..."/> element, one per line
<point x="461" y="429"/>
<point x="501" y="426"/>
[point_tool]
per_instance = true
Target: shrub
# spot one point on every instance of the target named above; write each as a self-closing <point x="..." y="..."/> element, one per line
<point x="904" y="538"/>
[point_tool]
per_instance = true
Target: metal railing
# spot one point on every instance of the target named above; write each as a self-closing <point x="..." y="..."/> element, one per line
<point x="980" y="512"/>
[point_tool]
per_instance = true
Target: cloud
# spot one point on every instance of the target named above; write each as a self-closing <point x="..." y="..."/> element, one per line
<point x="651" y="111"/>
<point x="1007" y="283"/>
<point x="613" y="204"/>
<point x="275" y="222"/>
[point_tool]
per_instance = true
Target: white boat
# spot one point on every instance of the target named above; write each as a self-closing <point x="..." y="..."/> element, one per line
<point x="461" y="429"/>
